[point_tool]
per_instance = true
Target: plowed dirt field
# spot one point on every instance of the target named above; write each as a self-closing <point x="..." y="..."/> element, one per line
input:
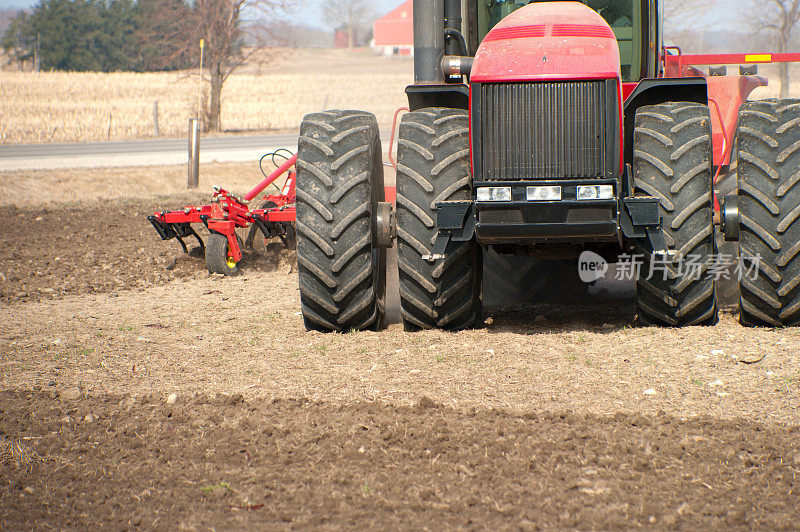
<point x="139" y="390"/>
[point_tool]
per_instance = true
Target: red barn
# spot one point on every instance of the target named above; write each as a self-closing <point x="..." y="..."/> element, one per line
<point x="394" y="32"/>
<point x="342" y="35"/>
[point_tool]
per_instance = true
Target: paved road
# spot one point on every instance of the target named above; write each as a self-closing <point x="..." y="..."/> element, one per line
<point x="71" y="149"/>
<point x="141" y="152"/>
<point x="138" y="152"/>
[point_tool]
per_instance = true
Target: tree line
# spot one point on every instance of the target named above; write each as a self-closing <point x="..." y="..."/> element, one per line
<point x="145" y="35"/>
<point x="101" y="35"/>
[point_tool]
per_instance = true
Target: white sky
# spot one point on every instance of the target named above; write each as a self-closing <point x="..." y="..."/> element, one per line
<point x="15" y="3"/>
<point x="724" y="15"/>
<point x="308" y="14"/>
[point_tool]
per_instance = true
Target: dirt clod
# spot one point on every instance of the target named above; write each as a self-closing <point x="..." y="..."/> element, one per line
<point x="71" y="394"/>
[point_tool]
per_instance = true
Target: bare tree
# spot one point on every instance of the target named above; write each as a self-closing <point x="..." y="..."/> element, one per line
<point x="680" y="8"/>
<point x="7" y="16"/>
<point x="779" y="18"/>
<point x="679" y="14"/>
<point x="231" y="30"/>
<point x="294" y="34"/>
<point x="348" y="13"/>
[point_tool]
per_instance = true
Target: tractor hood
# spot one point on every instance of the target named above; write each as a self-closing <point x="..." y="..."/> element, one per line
<point x="548" y="41"/>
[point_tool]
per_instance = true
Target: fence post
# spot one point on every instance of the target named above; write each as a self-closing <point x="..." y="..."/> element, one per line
<point x="155" y="118"/>
<point x="194" y="153"/>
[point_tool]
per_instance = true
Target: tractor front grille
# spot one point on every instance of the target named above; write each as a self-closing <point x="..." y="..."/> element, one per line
<point x="542" y="130"/>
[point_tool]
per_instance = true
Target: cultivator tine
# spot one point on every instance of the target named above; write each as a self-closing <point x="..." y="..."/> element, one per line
<point x="199" y="240"/>
<point x="262" y="227"/>
<point x="251" y="237"/>
<point x="184" y="230"/>
<point x="182" y="243"/>
<point x="283" y="239"/>
<point x="178" y="231"/>
<point x="271" y="229"/>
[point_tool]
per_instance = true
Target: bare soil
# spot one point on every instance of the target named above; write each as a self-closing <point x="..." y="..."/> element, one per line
<point x="550" y="416"/>
<point x="223" y="462"/>
<point x="48" y="253"/>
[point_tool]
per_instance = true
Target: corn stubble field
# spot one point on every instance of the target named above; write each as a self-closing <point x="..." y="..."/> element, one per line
<point x="272" y="95"/>
<point x="138" y="390"/>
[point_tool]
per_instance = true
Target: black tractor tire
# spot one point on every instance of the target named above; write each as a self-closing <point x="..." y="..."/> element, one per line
<point x="217" y="255"/>
<point x="728" y="295"/>
<point x="769" y="209"/>
<point x="672" y="161"/>
<point x="432" y="166"/>
<point x="339" y="183"/>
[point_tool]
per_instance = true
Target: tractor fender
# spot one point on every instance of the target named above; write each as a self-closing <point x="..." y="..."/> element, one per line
<point x="451" y="96"/>
<point x="728" y="93"/>
<point x="658" y="91"/>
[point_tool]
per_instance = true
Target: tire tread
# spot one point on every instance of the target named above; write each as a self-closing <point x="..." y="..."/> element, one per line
<point x="769" y="206"/>
<point x="679" y="174"/>
<point x="336" y="182"/>
<point x="433" y="166"/>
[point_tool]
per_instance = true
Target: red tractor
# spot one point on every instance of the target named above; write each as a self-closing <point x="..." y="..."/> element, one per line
<point x="549" y="129"/>
<point x="537" y="129"/>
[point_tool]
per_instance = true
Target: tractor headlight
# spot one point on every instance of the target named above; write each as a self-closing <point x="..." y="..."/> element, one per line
<point x="494" y="193"/>
<point x="595" y="192"/>
<point x="543" y="193"/>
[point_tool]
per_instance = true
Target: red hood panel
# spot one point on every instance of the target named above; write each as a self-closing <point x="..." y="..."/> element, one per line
<point x="548" y="41"/>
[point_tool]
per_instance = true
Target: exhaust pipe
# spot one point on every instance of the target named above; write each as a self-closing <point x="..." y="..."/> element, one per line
<point x="428" y="40"/>
<point x="452" y="28"/>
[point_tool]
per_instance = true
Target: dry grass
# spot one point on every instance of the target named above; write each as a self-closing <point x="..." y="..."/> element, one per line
<point x="72" y="106"/>
<point x="64" y="107"/>
<point x="29" y="188"/>
<point x="45" y="188"/>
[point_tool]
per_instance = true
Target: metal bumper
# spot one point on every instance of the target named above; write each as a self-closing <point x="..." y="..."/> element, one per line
<point x="568" y="220"/>
<point x="576" y="223"/>
<point x="563" y="221"/>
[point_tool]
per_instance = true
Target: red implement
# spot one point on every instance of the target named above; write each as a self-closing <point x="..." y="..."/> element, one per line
<point x="227" y="212"/>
